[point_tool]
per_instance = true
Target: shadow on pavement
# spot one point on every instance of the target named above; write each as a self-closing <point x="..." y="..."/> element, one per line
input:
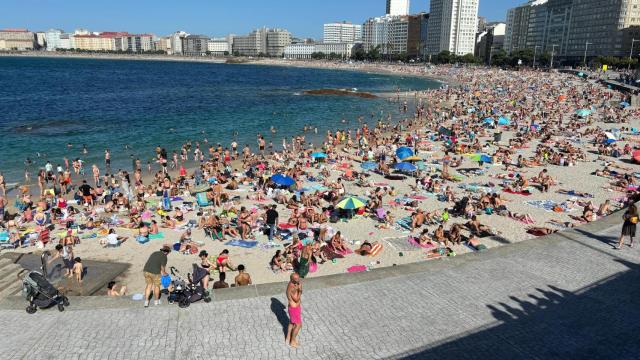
<point x="279" y="310"/>
<point x="596" y="322"/>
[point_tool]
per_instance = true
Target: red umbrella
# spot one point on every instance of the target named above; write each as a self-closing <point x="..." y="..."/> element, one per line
<point x="636" y="156"/>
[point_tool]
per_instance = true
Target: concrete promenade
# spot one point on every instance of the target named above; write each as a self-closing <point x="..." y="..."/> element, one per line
<point x="566" y="296"/>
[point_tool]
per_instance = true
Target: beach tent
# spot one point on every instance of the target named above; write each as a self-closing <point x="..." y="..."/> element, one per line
<point x="504" y="121"/>
<point x="488" y="121"/>
<point x="319" y="155"/>
<point x="405" y="166"/>
<point x="282" y="180"/>
<point x="625" y="104"/>
<point x="404" y="152"/>
<point x="583" y="112"/>
<point x="351" y="203"/>
<point x="368" y="165"/>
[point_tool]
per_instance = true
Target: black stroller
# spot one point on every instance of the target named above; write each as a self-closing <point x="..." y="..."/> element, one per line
<point x="188" y="291"/>
<point x="40" y="293"/>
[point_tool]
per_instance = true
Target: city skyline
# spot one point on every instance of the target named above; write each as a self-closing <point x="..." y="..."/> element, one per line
<point x="300" y="18"/>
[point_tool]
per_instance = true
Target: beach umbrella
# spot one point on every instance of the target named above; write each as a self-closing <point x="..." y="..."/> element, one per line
<point x="610" y="136"/>
<point x="488" y="121"/>
<point x="368" y="165"/>
<point x="319" y="155"/>
<point x="609" y="141"/>
<point x="504" y="121"/>
<point x="471" y="110"/>
<point x="625" y="104"/>
<point x="261" y="166"/>
<point x="404" y="152"/>
<point x="282" y="180"/>
<point x="583" y="112"/>
<point x="351" y="203"/>
<point x="636" y="156"/>
<point x="405" y="166"/>
<point x="562" y="97"/>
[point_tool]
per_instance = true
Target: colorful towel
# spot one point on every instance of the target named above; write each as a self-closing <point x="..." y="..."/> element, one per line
<point x="242" y="243"/>
<point x="376" y="249"/>
<point x="523" y="193"/>
<point x="157" y="236"/>
<point x="357" y="268"/>
<point x="415" y="243"/>
<point x="405" y="223"/>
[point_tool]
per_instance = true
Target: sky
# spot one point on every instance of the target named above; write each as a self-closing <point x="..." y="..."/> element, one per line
<point x="303" y="18"/>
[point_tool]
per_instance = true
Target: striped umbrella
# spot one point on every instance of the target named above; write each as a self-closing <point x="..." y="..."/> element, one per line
<point x="351" y="203"/>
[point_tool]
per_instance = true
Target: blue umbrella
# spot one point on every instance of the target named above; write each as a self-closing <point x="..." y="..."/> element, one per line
<point x="282" y="180"/>
<point x="368" y="165"/>
<point x="504" y="121"/>
<point x="485" y="158"/>
<point x="318" y="155"/>
<point x="404" y="152"/>
<point x="488" y="120"/>
<point x="609" y="141"/>
<point x="625" y="104"/>
<point x="405" y="166"/>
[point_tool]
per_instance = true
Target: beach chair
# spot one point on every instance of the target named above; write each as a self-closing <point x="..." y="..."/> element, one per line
<point x="201" y="199"/>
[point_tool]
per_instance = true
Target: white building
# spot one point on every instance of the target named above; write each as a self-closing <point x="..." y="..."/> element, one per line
<point x="344" y="50"/>
<point x="218" y="46"/>
<point x="176" y="42"/>
<point x="53" y="39"/>
<point x="398" y="7"/>
<point x="299" y="51"/>
<point x="452" y="26"/>
<point x="342" y="32"/>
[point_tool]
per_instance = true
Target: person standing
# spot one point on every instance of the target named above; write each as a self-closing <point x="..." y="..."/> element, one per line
<point x="272" y="221"/>
<point x="629" y="227"/>
<point x="294" y="298"/>
<point x="154" y="269"/>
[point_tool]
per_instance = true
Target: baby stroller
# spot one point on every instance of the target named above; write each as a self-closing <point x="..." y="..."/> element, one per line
<point x="40" y="293"/>
<point x="188" y="291"/>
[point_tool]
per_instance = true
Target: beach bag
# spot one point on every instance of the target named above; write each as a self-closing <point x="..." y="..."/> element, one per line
<point x="634" y="220"/>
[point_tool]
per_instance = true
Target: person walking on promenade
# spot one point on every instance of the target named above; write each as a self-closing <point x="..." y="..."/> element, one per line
<point x="153" y="271"/>
<point x="629" y="227"/>
<point x="294" y="294"/>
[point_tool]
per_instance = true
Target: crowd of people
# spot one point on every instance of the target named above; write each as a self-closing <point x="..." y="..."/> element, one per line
<point x="294" y="199"/>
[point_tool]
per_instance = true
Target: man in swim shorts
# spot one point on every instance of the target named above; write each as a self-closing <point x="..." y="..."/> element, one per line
<point x="294" y="294"/>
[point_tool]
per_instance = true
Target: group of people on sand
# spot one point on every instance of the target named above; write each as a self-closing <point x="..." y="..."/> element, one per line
<point x="231" y="193"/>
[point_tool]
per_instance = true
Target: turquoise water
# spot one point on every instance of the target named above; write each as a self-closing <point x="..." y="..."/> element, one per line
<point x="47" y="103"/>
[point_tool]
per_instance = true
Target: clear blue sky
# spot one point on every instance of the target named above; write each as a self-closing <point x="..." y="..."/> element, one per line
<point x="304" y="18"/>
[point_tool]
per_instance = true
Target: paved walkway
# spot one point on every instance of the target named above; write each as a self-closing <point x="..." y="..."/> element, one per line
<point x="565" y="296"/>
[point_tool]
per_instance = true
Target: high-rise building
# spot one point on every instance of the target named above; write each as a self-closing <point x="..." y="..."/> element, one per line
<point x="133" y="43"/>
<point x="573" y="29"/>
<point x="342" y="32"/>
<point x="195" y="45"/>
<point x="490" y="41"/>
<point x="394" y="35"/>
<point x="268" y="42"/>
<point x="176" y="42"/>
<point x="218" y="46"/>
<point x="163" y="44"/>
<point x="53" y="37"/>
<point x="452" y="26"/>
<point x="398" y="7"/>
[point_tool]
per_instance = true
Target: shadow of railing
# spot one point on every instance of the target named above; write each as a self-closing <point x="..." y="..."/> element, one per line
<point x="601" y="321"/>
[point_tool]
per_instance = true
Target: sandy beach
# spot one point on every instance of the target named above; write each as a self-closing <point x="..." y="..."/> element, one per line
<point x="541" y="113"/>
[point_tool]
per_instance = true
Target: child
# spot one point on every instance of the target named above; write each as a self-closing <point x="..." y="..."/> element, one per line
<point x="78" y="269"/>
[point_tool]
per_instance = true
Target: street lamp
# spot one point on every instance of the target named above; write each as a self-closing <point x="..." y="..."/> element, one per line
<point x="553" y="49"/>
<point x="535" y="52"/>
<point x="586" y="46"/>
<point x="633" y="41"/>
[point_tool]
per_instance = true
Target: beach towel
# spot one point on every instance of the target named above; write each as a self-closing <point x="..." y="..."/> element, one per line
<point x="142" y="239"/>
<point x="401" y="244"/>
<point x="357" y="268"/>
<point x="376" y="249"/>
<point x="523" y="193"/>
<point x="286" y="226"/>
<point x="242" y="243"/>
<point x="419" y="197"/>
<point x="157" y="236"/>
<point x="405" y="223"/>
<point x="548" y="205"/>
<point x="416" y="244"/>
<point x="475" y="245"/>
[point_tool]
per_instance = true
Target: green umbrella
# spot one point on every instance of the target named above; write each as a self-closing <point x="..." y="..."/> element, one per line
<point x="351" y="203"/>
